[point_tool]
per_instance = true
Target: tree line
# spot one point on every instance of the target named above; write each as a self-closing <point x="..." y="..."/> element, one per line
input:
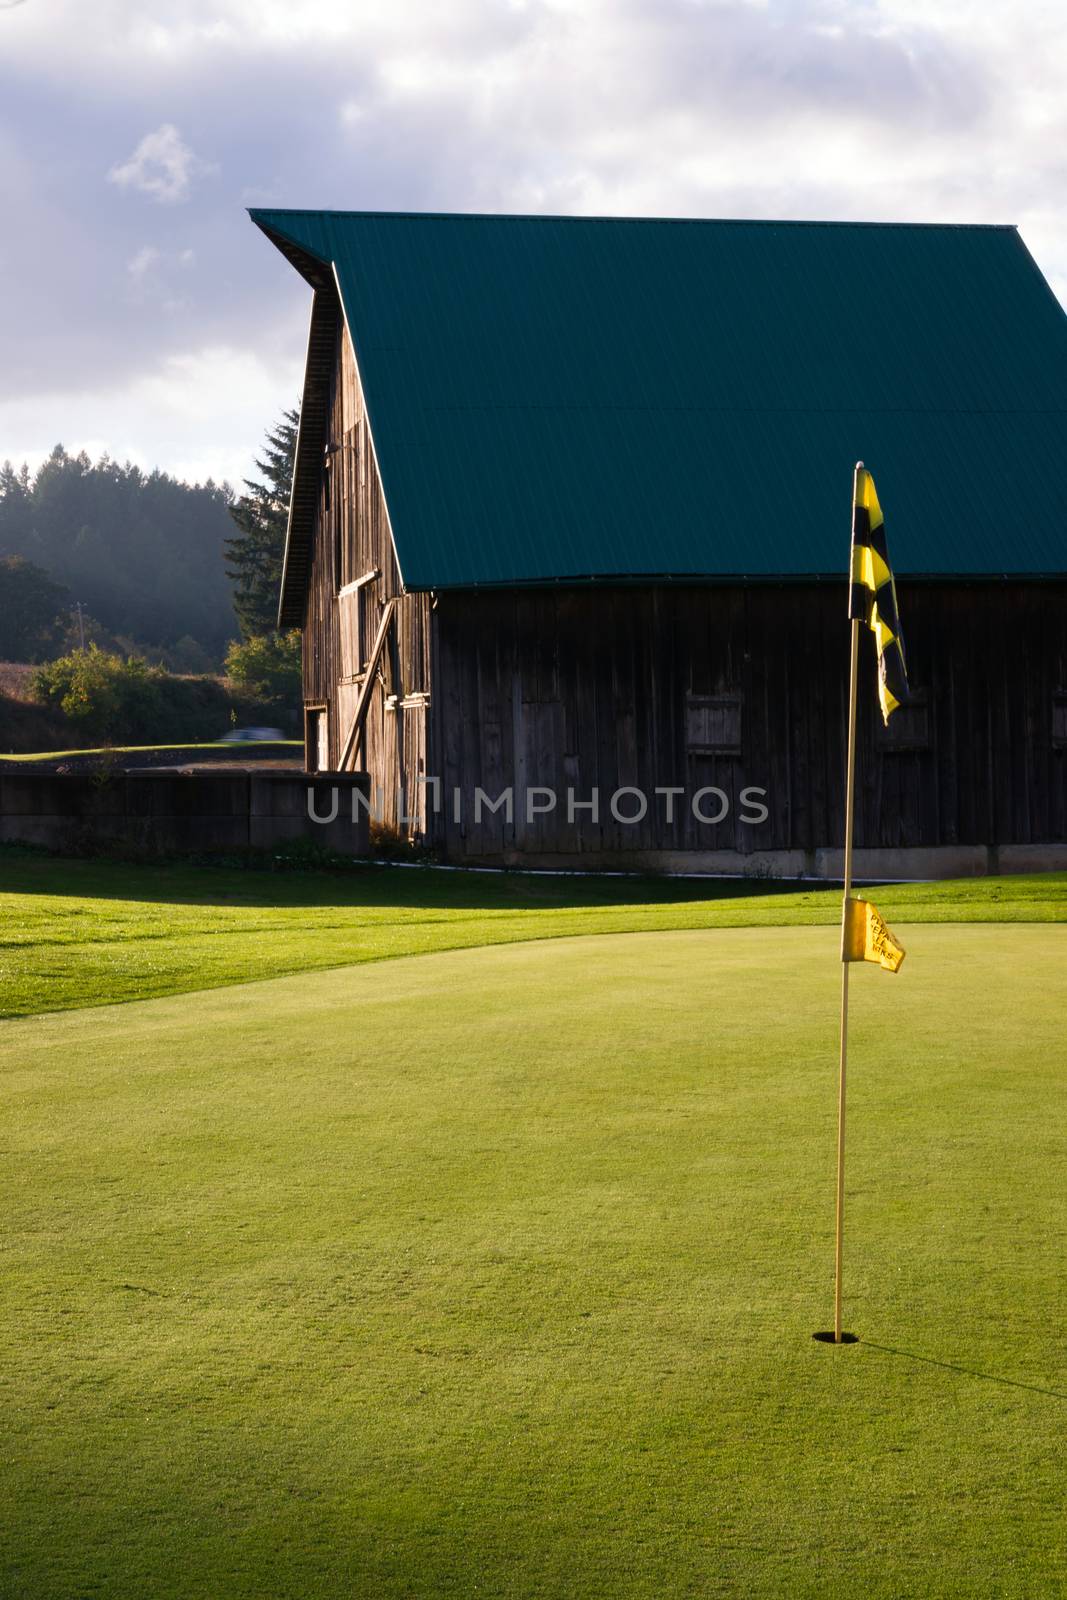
<point x="140" y="563"/>
<point x="112" y="579"/>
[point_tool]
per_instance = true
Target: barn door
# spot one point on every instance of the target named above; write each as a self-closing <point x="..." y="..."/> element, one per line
<point x="411" y="763"/>
<point x="317" y="738"/>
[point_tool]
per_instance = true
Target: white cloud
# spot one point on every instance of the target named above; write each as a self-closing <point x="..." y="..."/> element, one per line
<point x="881" y="109"/>
<point x="143" y="262"/>
<point x="202" y="414"/>
<point x="161" y="278"/>
<point x="151" y="262"/>
<point x="162" y="166"/>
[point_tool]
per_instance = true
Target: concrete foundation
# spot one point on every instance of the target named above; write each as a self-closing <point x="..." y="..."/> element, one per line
<point x="826" y="865"/>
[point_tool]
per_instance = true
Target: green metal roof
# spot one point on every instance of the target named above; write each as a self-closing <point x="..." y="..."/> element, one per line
<point x="560" y="399"/>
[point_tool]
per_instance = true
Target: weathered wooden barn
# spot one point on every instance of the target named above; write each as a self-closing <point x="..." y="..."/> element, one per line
<point x="570" y="525"/>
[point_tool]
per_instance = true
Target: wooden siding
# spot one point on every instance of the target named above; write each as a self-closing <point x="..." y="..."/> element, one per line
<point x="584" y="688"/>
<point x="352" y="550"/>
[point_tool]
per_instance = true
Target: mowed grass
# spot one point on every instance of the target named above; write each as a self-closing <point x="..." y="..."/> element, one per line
<point x="79" y="933"/>
<point x="494" y="1273"/>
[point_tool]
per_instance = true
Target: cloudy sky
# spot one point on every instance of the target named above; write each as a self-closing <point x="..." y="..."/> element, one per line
<point x="143" y="314"/>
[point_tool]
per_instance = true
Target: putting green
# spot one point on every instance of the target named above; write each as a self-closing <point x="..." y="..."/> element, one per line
<point x="494" y="1272"/>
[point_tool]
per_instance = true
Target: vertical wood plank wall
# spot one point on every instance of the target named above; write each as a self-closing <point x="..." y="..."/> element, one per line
<point x="351" y="540"/>
<point x="583" y="688"/>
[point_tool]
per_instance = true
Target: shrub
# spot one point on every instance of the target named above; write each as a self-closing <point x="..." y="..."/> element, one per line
<point x="105" y="698"/>
<point x="103" y="695"/>
<point x="267" y="665"/>
<point x="388" y="843"/>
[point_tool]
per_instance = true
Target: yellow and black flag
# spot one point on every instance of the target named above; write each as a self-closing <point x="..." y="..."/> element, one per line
<point x="873" y="593"/>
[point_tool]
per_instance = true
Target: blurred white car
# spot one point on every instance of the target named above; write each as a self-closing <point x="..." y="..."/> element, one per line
<point x="251" y="735"/>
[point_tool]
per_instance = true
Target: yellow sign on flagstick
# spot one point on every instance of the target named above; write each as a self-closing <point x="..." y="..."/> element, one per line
<point x="868" y="938"/>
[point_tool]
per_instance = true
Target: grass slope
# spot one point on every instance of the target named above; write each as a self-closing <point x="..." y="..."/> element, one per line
<point x="494" y="1273"/>
<point x="80" y="933"/>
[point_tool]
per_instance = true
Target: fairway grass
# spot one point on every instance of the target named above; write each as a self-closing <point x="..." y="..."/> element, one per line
<point x="80" y="933"/>
<point x="239" y="747"/>
<point x="494" y="1273"/>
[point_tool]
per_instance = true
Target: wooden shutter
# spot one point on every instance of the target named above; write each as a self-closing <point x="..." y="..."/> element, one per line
<point x="713" y="724"/>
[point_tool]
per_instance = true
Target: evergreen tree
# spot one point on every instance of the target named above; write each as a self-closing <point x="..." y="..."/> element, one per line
<point x="15" y="510"/>
<point x="256" y="551"/>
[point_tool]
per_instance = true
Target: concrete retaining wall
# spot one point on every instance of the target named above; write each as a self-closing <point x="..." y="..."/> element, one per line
<point x="186" y="810"/>
<point x="201" y="810"/>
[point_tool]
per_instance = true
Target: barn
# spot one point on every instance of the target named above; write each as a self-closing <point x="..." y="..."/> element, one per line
<point x="569" y="536"/>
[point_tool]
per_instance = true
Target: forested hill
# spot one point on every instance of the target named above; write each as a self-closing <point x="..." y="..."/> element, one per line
<point x="143" y="553"/>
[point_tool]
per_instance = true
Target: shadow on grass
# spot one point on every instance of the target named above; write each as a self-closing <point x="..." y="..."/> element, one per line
<point x="262" y="882"/>
<point x="969" y="1372"/>
<point x="367" y="884"/>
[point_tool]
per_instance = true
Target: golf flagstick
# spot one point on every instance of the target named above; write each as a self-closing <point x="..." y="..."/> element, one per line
<point x="850" y="799"/>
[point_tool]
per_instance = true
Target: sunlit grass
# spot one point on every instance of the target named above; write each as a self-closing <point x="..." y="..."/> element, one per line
<point x="264" y="745"/>
<point x="81" y="933"/>
<point x="494" y="1272"/>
